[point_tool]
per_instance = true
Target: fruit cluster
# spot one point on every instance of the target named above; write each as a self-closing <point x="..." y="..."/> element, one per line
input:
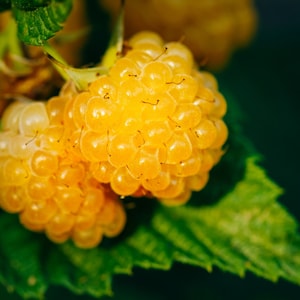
<point x="42" y="178"/>
<point x="152" y="126"/>
<point x="153" y="123"/>
<point x="212" y="29"/>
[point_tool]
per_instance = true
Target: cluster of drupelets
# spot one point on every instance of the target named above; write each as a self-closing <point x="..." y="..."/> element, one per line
<point x="152" y="126"/>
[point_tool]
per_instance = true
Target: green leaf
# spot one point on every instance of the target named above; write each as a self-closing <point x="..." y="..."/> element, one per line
<point x="246" y="230"/>
<point x="20" y="260"/>
<point x="37" y="21"/>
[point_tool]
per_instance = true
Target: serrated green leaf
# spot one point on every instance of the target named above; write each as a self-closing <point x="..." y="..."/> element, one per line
<point x="38" y="21"/>
<point x="63" y="272"/>
<point x="246" y="230"/>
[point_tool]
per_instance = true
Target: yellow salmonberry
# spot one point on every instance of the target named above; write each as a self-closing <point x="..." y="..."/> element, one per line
<point x="46" y="183"/>
<point x="151" y="126"/>
<point x="153" y="122"/>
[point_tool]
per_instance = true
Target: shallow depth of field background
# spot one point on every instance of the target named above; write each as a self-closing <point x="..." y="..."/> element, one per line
<point x="264" y="78"/>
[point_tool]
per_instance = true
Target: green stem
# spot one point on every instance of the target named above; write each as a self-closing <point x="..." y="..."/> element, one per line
<point x="58" y="61"/>
<point x="53" y="53"/>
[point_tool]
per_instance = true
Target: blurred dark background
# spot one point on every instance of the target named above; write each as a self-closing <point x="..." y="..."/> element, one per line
<point x="264" y="79"/>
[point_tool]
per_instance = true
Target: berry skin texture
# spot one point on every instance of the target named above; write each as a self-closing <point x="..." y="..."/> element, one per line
<point x="212" y="29"/>
<point x="153" y="123"/>
<point x="152" y="126"/>
<point x="45" y="181"/>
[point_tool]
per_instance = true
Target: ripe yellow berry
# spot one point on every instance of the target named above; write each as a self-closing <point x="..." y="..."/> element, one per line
<point x="47" y="181"/>
<point x="152" y="123"/>
<point x="151" y="126"/>
<point x="33" y="119"/>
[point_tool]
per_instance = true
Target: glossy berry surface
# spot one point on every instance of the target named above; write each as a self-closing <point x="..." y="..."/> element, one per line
<point x="153" y="122"/>
<point x="152" y="126"/>
<point x="46" y="183"/>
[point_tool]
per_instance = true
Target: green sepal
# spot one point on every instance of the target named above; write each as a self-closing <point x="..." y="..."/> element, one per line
<point x="81" y="77"/>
